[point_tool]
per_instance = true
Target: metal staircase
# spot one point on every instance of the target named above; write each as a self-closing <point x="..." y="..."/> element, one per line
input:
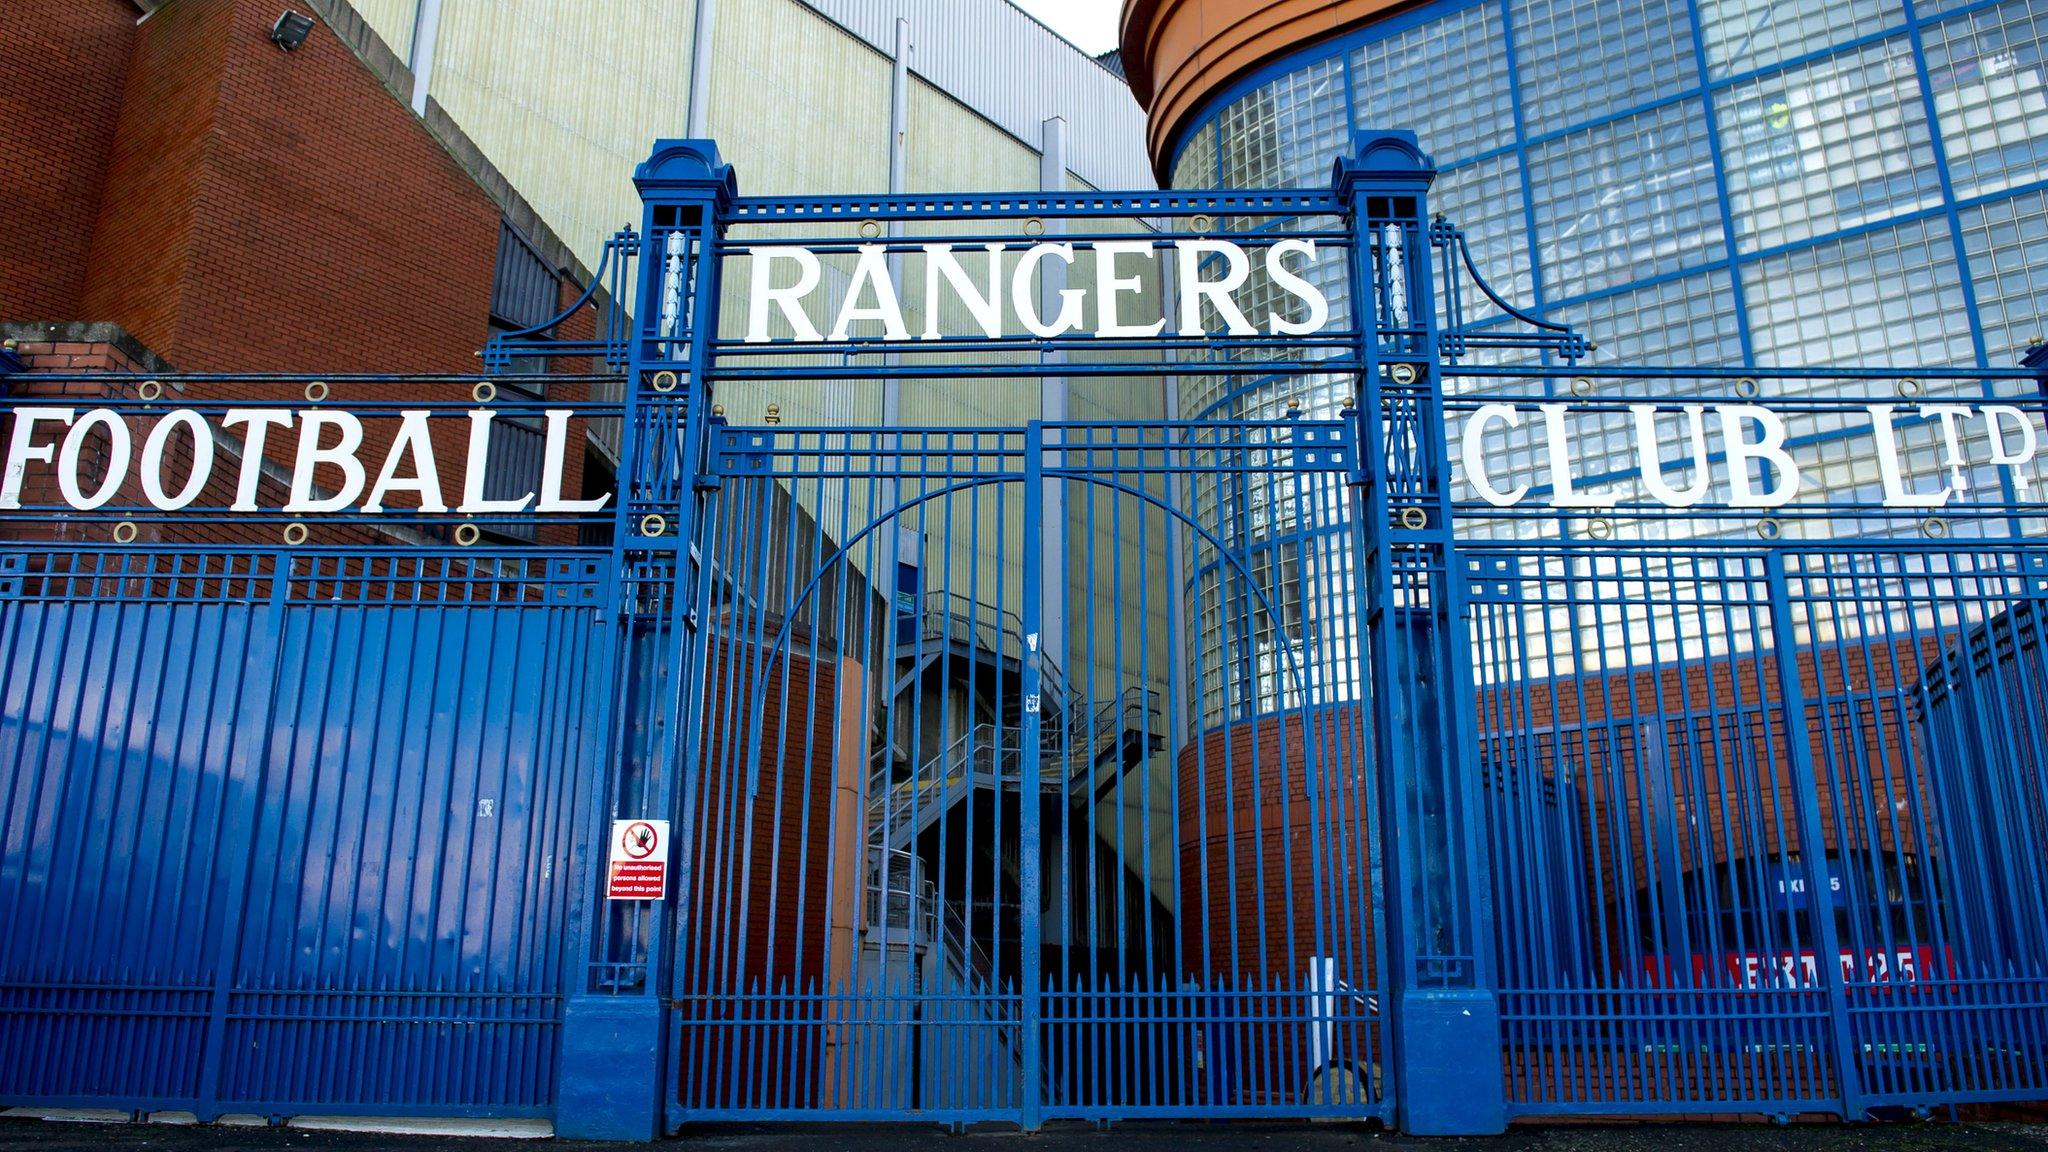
<point x="1085" y="747"/>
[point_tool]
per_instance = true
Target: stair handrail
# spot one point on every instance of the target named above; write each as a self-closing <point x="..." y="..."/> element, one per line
<point x="981" y="742"/>
<point x="1006" y="626"/>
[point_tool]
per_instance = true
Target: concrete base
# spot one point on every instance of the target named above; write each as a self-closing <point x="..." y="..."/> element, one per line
<point x="611" y="1060"/>
<point x="1448" y="1064"/>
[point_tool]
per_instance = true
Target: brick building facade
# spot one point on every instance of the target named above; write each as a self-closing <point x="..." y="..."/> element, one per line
<point x="186" y="195"/>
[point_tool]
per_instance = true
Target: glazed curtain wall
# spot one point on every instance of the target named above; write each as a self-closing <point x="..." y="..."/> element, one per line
<point x="1714" y="182"/>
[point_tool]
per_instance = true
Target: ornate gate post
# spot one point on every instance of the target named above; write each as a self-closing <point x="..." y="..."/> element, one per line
<point x="1445" y="1022"/>
<point x="612" y="1082"/>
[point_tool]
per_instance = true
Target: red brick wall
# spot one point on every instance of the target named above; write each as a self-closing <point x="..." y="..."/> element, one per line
<point x="65" y="63"/>
<point x="754" y="861"/>
<point x="273" y="211"/>
<point x="283" y="211"/>
<point x="1249" y="850"/>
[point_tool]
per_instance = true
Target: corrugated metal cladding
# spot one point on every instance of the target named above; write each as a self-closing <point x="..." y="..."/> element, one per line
<point x="1010" y="68"/>
<point x="525" y="291"/>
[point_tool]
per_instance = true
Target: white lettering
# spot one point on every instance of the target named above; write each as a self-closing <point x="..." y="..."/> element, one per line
<point x="1950" y="416"/>
<point x="479" y="462"/>
<point x="1299" y="287"/>
<point x="153" y="460"/>
<point x="1769" y="449"/>
<point x="1888" y="471"/>
<point x="1026" y="301"/>
<point x="1475" y="453"/>
<point x="551" y="470"/>
<point x="1652" y="465"/>
<point x="1995" y="417"/>
<point x="313" y="424"/>
<point x="985" y="307"/>
<point x="119" y="446"/>
<point x="1194" y="289"/>
<point x="871" y="274"/>
<point x="412" y="439"/>
<point x="22" y="448"/>
<point x="260" y="422"/>
<point x="1561" y="493"/>
<point x="1109" y="285"/>
<point x="789" y="300"/>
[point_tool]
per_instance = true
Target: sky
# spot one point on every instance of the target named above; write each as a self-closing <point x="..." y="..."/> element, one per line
<point x="1090" y="24"/>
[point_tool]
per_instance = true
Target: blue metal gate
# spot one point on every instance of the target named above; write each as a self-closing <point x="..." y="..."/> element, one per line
<point x="952" y="856"/>
<point x="278" y="831"/>
<point x="1382" y="717"/>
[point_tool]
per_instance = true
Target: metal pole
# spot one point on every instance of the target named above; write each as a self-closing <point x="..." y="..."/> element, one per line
<point x="698" y="118"/>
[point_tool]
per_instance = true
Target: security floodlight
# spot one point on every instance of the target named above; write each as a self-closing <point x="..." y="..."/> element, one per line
<point x="291" y="30"/>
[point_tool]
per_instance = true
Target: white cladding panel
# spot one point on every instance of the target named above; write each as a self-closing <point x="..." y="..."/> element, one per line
<point x="1010" y="68"/>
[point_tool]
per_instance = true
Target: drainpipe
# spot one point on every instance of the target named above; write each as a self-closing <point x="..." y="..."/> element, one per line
<point x="899" y="147"/>
<point x="426" y="30"/>
<point x="1052" y="407"/>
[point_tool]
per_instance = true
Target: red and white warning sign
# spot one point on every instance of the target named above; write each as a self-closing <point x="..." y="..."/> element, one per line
<point x="639" y="868"/>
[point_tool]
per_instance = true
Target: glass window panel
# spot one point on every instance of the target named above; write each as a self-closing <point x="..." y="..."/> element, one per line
<point x="1580" y="59"/>
<point x="1826" y="147"/>
<point x="1892" y="296"/>
<point x="1685" y="322"/>
<point x="1446" y="79"/>
<point x="1283" y="133"/>
<point x="1196" y="167"/>
<point x="1991" y="95"/>
<point x="1626" y="201"/>
<point x="1745" y="35"/>
<point x="2006" y="242"/>
<point x="1485" y="200"/>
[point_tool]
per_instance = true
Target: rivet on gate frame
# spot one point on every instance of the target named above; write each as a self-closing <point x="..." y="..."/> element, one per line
<point x="869" y="229"/>
<point x="1414" y="519"/>
<point x="1582" y="385"/>
<point x="1600" y="528"/>
<point x="149" y="390"/>
<point x="484" y="392"/>
<point x="125" y="532"/>
<point x="1909" y="388"/>
<point x="1747" y="388"/>
<point x="316" y="391"/>
<point x="1034" y="227"/>
<point x="1200" y="224"/>
<point x="1769" y="528"/>
<point x="467" y="534"/>
<point x="1402" y="373"/>
<point x="1934" y="528"/>
<point x="663" y="381"/>
<point x="295" y="534"/>
<point x="654" y="524"/>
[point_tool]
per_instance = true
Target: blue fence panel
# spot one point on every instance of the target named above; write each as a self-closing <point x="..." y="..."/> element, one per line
<point x="121" y="697"/>
<point x="294" y="843"/>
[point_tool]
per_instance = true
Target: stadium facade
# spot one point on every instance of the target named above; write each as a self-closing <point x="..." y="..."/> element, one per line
<point x="1510" y="587"/>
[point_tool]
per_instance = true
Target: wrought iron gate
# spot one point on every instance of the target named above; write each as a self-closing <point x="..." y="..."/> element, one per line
<point x="952" y="858"/>
<point x="1035" y="753"/>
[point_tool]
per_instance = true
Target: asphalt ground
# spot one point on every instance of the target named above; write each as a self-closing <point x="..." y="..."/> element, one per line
<point x="31" y="1135"/>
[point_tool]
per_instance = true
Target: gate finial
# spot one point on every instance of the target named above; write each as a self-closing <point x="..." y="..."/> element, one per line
<point x="1393" y="159"/>
<point x="685" y="166"/>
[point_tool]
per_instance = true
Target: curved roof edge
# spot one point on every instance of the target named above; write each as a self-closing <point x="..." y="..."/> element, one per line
<point x="1179" y="53"/>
